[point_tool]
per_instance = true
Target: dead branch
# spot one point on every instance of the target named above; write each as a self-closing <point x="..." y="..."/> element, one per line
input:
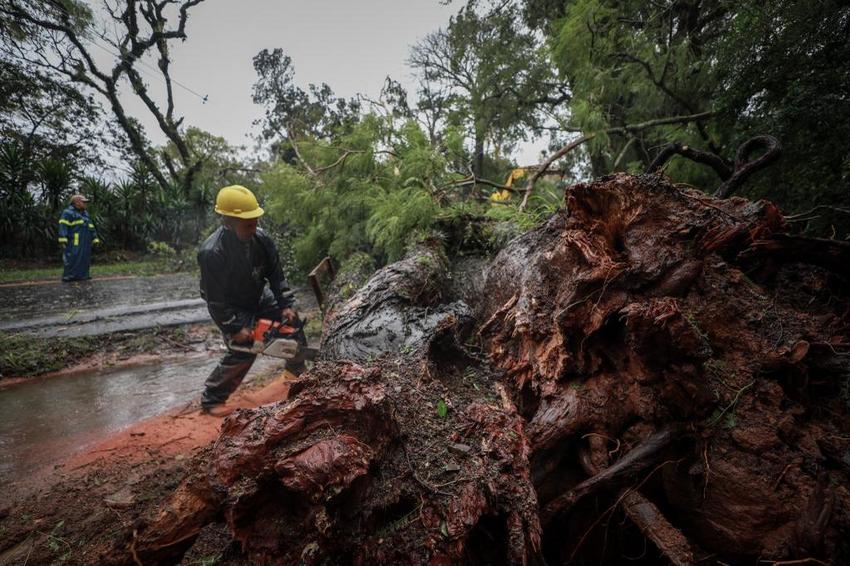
<point x="630" y="128"/>
<point x="744" y="167"/>
<point x="723" y="170"/>
<point x="803" y="216"/>
<point x="545" y="165"/>
<point x="655" y="526"/>
<point x="833" y="255"/>
<point x="732" y="177"/>
<point x="472" y="179"/>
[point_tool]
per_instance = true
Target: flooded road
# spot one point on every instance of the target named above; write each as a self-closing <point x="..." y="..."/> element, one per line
<point x="45" y="420"/>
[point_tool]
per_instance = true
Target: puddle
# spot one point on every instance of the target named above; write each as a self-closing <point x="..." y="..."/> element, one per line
<point x="45" y="420"/>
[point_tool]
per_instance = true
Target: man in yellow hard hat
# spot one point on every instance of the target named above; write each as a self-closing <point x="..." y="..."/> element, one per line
<point x="241" y="281"/>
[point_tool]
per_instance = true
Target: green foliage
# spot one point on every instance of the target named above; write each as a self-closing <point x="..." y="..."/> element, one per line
<point x="399" y="217"/>
<point x="113" y="264"/>
<point x="630" y="62"/>
<point x="22" y="354"/>
<point x="161" y="249"/>
<point x="762" y="68"/>
<point x="787" y="73"/>
<point x="131" y="213"/>
<point x="362" y="200"/>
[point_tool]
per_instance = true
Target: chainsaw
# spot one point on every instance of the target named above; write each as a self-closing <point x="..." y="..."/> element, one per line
<point x="273" y="338"/>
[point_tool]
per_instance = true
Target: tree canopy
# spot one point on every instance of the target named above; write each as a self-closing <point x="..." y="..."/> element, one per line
<point x="681" y="85"/>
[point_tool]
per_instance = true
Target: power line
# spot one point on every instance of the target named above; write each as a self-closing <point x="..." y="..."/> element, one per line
<point x="85" y="34"/>
<point x="203" y="97"/>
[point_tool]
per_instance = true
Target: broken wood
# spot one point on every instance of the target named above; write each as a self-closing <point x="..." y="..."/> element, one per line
<point x="625" y="469"/>
<point x="652" y="523"/>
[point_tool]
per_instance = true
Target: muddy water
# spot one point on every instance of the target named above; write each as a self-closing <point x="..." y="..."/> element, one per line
<point x="45" y="420"/>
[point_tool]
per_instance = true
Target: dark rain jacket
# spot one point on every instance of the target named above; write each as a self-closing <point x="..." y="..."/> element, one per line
<point x="76" y="234"/>
<point x="234" y="275"/>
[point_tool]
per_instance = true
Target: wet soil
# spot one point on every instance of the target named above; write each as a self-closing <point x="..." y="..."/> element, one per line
<point x="75" y="511"/>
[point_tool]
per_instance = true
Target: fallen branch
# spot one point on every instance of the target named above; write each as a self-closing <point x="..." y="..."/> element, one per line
<point x="473" y="180"/>
<point x="723" y="170"/>
<point x="614" y="506"/>
<point x="744" y="167"/>
<point x="833" y="255"/>
<point x="545" y="165"/>
<point x="655" y="526"/>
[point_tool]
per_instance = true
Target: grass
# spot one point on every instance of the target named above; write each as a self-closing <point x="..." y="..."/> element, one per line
<point x="154" y="266"/>
<point x="26" y="355"/>
<point x="22" y="354"/>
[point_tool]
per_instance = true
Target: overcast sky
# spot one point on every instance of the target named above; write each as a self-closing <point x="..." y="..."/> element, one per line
<point x="350" y="45"/>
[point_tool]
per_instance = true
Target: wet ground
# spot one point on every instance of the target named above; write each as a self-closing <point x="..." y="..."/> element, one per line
<point x="106" y="305"/>
<point x="101" y="306"/>
<point x="44" y="420"/>
<point x="53" y="298"/>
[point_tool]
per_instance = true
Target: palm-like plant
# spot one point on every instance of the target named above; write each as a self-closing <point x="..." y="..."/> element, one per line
<point x="55" y="176"/>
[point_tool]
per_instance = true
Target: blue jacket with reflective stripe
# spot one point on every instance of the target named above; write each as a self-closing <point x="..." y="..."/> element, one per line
<point x="76" y="233"/>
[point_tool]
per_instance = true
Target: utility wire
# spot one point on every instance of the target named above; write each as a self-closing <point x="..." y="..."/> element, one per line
<point x="85" y="34"/>
<point x="156" y="72"/>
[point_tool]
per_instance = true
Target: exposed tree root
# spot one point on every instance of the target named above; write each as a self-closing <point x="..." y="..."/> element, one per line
<point x="650" y="349"/>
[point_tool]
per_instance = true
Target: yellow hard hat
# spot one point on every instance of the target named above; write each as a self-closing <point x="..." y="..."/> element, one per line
<point x="237" y="201"/>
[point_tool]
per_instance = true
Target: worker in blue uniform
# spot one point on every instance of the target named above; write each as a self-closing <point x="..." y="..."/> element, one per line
<point x="76" y="236"/>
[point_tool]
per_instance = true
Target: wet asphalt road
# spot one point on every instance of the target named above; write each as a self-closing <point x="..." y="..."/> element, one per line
<point x="101" y="306"/>
<point x="106" y="305"/>
<point x="46" y="299"/>
<point x="44" y="419"/>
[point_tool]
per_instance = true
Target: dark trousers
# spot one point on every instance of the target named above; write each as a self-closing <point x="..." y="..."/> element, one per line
<point x="233" y="367"/>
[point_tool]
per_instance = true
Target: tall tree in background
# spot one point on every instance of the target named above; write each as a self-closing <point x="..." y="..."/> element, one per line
<point x="491" y="75"/>
<point x="59" y="36"/>
<point x="290" y="112"/>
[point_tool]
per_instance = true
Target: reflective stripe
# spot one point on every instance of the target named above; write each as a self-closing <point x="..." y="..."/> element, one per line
<point x="96" y="241"/>
<point x="91" y="225"/>
<point x="74" y="223"/>
<point x="63" y="240"/>
<point x="77" y="239"/>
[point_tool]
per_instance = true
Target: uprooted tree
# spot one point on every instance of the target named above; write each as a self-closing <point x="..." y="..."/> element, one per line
<point x="650" y="353"/>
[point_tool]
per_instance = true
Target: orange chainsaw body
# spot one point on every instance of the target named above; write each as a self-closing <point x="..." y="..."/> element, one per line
<point x="264" y="325"/>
